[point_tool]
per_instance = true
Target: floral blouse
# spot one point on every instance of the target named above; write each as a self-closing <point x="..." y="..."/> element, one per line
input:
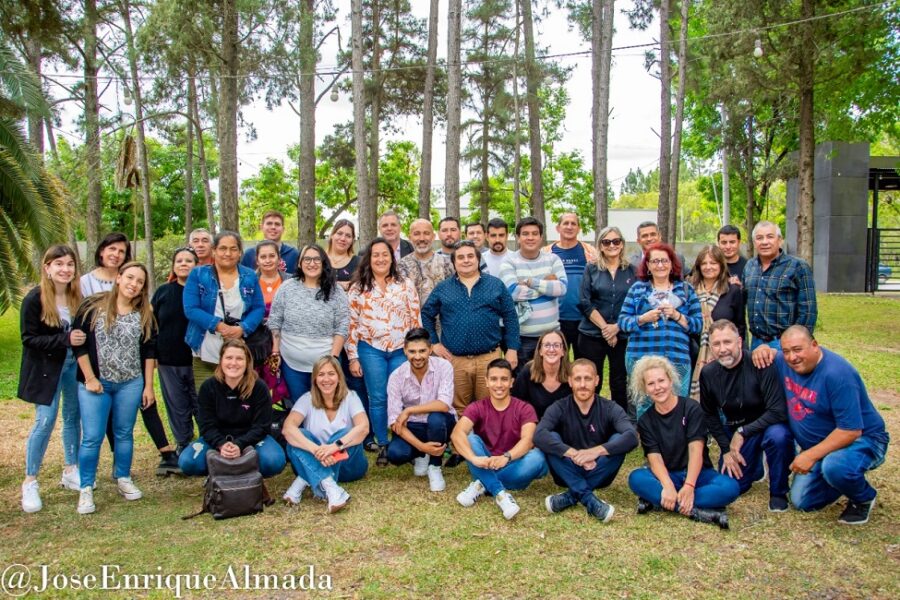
<point x="381" y="318"/>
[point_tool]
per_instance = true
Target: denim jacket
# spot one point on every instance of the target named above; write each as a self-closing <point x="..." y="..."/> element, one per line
<point x="201" y="292"/>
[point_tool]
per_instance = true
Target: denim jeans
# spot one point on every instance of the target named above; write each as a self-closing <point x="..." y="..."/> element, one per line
<point x="180" y="396"/>
<point x="517" y="475"/>
<point x="756" y="343"/>
<point x="581" y="482"/>
<point x="777" y="442"/>
<point x="45" y="419"/>
<point x="841" y="473"/>
<point x="713" y="490"/>
<point x="122" y="400"/>
<point x="192" y="460"/>
<point x="377" y="365"/>
<point x="437" y="429"/>
<point x="298" y="382"/>
<point x="309" y="468"/>
<point x="358" y="385"/>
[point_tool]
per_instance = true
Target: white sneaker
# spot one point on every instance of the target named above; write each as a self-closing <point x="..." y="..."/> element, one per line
<point x="71" y="480"/>
<point x="31" y="497"/>
<point x="337" y="496"/>
<point x="295" y="491"/>
<point x="468" y="496"/>
<point x="128" y="489"/>
<point x="86" y="501"/>
<point x="507" y="504"/>
<point x="420" y="466"/>
<point x="436" y="479"/>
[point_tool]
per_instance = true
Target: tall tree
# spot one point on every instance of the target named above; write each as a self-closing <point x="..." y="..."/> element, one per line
<point x="306" y="207"/>
<point x="367" y="203"/>
<point x="91" y="121"/>
<point x="428" y="113"/>
<point x="532" y="83"/>
<point x="665" y="122"/>
<point x="228" y="113"/>
<point x="602" y="17"/>
<point x="454" y="106"/>
<point x="679" y="117"/>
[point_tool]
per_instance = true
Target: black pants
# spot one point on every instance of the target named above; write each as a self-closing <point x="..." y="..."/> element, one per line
<point x="570" y="332"/>
<point x="528" y="346"/>
<point x="598" y="350"/>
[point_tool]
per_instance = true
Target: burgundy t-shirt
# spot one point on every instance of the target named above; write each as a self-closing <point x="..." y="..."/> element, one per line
<point x="500" y="430"/>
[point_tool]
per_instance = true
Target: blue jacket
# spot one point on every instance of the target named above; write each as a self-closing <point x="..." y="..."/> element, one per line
<point x="201" y="292"/>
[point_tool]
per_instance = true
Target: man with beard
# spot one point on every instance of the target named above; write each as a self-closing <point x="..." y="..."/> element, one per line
<point x="448" y="233"/>
<point x="424" y="267"/>
<point x="498" y="232"/>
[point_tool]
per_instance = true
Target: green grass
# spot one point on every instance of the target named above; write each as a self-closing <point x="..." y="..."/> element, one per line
<point x="397" y="539"/>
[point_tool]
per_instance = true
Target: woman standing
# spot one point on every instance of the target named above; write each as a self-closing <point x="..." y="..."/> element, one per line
<point x="603" y="290"/>
<point x="116" y="376"/>
<point x="309" y="319"/>
<point x="383" y="307"/>
<point x="47" y="374"/>
<point x="176" y="373"/>
<point x="325" y="431"/>
<point x="112" y="252"/>
<point x="679" y="475"/>
<point x="544" y="380"/>
<point x="340" y="251"/>
<point x="659" y="313"/>
<point x="267" y="262"/>
<point x="718" y="300"/>
<point x="222" y="301"/>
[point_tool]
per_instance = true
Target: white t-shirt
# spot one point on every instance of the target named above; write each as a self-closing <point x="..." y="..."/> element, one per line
<point x="316" y="420"/>
<point x="91" y="284"/>
<point x="493" y="261"/>
<point x="212" y="342"/>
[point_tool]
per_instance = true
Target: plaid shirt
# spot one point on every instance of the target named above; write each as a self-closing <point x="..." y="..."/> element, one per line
<point x="665" y="337"/>
<point x="781" y="296"/>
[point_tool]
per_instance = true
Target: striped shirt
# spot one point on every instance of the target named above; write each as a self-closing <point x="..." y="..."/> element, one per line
<point x="541" y="294"/>
<point x="664" y="337"/>
<point x="405" y="391"/>
<point x="781" y="296"/>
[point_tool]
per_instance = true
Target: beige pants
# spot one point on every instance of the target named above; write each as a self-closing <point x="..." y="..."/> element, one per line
<point x="470" y="379"/>
<point x="202" y="371"/>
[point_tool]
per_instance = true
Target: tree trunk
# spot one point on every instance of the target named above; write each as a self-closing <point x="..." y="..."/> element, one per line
<point x="602" y="15"/>
<point x="35" y="120"/>
<point x="367" y="217"/>
<point x="750" y="181"/>
<point x="306" y="204"/>
<point x="726" y="183"/>
<point x="679" y="117"/>
<point x="189" y="176"/>
<point x="805" y="199"/>
<point x="194" y="110"/>
<point x="428" y="115"/>
<point x="143" y="162"/>
<point x="228" y="109"/>
<point x="92" y="126"/>
<point x="532" y="82"/>
<point x="454" y="107"/>
<point x="517" y="144"/>
<point x="665" y="124"/>
<point x="375" y="105"/>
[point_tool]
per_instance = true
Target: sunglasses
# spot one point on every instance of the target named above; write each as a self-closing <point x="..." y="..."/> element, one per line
<point x="612" y="242"/>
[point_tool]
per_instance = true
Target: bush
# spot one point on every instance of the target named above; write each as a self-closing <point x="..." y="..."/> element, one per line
<point x="163" y="248"/>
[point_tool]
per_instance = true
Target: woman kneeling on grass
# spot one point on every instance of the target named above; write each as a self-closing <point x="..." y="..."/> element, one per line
<point x="679" y="475"/>
<point x="324" y="432"/>
<point x="234" y="412"/>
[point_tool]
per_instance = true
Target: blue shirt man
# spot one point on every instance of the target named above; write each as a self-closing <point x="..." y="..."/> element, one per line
<point x="272" y="227"/>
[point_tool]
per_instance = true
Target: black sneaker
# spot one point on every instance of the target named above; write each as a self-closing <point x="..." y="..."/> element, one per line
<point x="778" y="504"/>
<point x="382" y="460"/>
<point x="599" y="509"/>
<point x="453" y="461"/>
<point x="559" y="502"/>
<point x="168" y="465"/>
<point x="857" y="513"/>
<point x="644" y="506"/>
<point x="709" y="515"/>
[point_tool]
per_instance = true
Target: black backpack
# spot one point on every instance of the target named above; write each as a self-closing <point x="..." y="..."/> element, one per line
<point x="234" y="487"/>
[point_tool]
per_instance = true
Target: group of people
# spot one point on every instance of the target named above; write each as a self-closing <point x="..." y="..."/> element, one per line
<point x="460" y="354"/>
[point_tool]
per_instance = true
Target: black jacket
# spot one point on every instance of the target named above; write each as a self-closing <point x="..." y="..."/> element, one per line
<point x="89" y="348"/>
<point x="43" y="352"/>
<point x="222" y="413"/>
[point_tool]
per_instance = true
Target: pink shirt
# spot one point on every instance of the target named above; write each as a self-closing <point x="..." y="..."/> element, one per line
<point x="382" y="318"/>
<point x="500" y="430"/>
<point x="404" y="389"/>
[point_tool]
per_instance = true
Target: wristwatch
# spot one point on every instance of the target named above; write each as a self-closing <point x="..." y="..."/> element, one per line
<point x="339" y="444"/>
<point x="740" y="430"/>
<point x="508" y="456"/>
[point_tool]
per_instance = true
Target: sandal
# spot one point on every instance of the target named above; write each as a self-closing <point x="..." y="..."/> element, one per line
<point x="382" y="460"/>
<point x="371" y="446"/>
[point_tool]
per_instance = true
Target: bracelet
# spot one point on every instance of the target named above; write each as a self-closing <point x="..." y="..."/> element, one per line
<point x="690" y="484"/>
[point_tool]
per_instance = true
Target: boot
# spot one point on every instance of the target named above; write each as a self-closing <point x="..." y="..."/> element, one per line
<point x="168" y="465"/>
<point x="644" y="506"/>
<point x="708" y="515"/>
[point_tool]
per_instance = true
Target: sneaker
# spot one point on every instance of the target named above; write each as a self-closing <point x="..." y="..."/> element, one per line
<point x="337" y="496"/>
<point x="468" y="496"/>
<point x="644" y="506"/>
<point x="857" y="513"/>
<point x="436" y="479"/>
<point x="382" y="460"/>
<point x="420" y="466"/>
<point x="293" y="494"/>
<point x="86" y="501"/>
<point x="559" y="502"/>
<point x="599" y="509"/>
<point x="71" y="479"/>
<point x="778" y="504"/>
<point x="31" y="497"/>
<point x="168" y="465"/>
<point x="127" y="488"/>
<point x="507" y="505"/>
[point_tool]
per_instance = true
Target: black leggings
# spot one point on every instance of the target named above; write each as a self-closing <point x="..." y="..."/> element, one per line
<point x="152" y="423"/>
<point x="597" y="350"/>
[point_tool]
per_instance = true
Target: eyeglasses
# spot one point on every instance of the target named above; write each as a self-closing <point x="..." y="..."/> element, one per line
<point x="311" y="260"/>
<point x="659" y="262"/>
<point x="551" y="346"/>
<point x="612" y="242"/>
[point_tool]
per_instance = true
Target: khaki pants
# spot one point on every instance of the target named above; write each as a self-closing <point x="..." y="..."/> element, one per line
<point x="470" y="379"/>
<point x="202" y="372"/>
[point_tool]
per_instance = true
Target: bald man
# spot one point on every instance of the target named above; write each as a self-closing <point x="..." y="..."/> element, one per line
<point x="425" y="267"/>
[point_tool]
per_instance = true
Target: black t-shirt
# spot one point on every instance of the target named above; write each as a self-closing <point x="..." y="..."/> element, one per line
<point x="670" y="434"/>
<point x="536" y="394"/>
<point x="168" y="308"/>
<point x="579" y="431"/>
<point x="346" y="272"/>
<point x="736" y="269"/>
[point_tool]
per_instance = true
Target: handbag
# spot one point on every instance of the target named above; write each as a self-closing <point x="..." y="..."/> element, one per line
<point x="259" y="342"/>
<point x="234" y="487"/>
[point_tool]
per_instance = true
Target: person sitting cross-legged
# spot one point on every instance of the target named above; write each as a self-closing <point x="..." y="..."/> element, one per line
<point x="494" y="436"/>
<point x="585" y="439"/>
<point x="420" y="409"/>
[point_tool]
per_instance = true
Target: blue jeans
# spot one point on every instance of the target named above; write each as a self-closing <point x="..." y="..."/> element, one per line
<point x="297" y="382"/>
<point x="841" y="473"/>
<point x="309" y="468"/>
<point x="756" y="343"/>
<point x="358" y="385"/>
<point x="377" y="366"/>
<point x="581" y="482"/>
<point x="121" y="399"/>
<point x="777" y="442"/>
<point x="437" y="429"/>
<point x="713" y="490"/>
<point x="45" y="419"/>
<point x="517" y="475"/>
<point x="192" y="460"/>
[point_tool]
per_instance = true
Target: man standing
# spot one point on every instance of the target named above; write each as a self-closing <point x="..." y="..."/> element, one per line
<point x="272" y="227"/>
<point x="498" y="232"/>
<point x="424" y="266"/>
<point x="494" y="436"/>
<point x="575" y="255"/>
<point x="780" y="288"/>
<point x="389" y="229"/>
<point x="839" y="431"/>
<point x="470" y="306"/>
<point x="535" y="280"/>
<point x="585" y="439"/>
<point x="201" y="242"/>
<point x="475" y="233"/>
<point x="647" y="235"/>
<point x="729" y="241"/>
<point x="448" y="233"/>
<point x="752" y="402"/>
<point x="420" y="409"/>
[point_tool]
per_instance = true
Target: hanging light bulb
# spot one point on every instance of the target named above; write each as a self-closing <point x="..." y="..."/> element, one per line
<point x="758" y="49"/>
<point x="334" y="95"/>
<point x="126" y="96"/>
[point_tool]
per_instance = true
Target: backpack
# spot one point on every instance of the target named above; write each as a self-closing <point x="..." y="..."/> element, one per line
<point x="234" y="487"/>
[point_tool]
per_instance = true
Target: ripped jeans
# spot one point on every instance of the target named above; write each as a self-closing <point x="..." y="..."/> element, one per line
<point x="45" y="419"/>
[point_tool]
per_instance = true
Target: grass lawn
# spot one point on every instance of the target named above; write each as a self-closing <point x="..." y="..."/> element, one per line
<point x="398" y="539"/>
